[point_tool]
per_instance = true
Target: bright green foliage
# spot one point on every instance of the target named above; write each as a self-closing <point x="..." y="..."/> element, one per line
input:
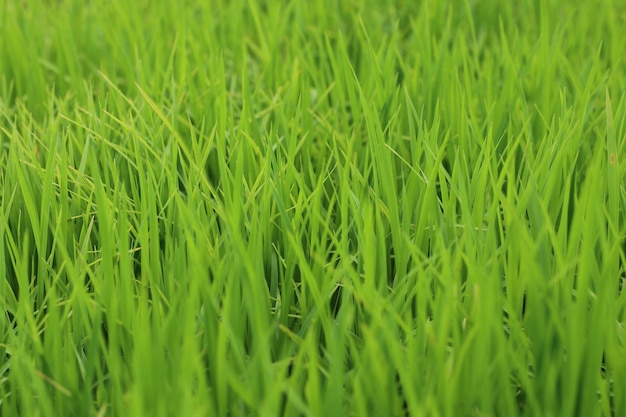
<point x="312" y="208"/>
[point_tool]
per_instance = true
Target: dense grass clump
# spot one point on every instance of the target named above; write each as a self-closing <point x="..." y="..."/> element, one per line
<point x="312" y="208"/>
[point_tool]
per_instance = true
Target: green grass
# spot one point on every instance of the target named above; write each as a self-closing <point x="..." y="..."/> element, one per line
<point x="312" y="208"/>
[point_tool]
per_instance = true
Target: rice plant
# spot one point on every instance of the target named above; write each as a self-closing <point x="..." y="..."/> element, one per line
<point x="312" y="208"/>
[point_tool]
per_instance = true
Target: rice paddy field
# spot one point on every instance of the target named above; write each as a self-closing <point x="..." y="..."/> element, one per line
<point x="312" y="208"/>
